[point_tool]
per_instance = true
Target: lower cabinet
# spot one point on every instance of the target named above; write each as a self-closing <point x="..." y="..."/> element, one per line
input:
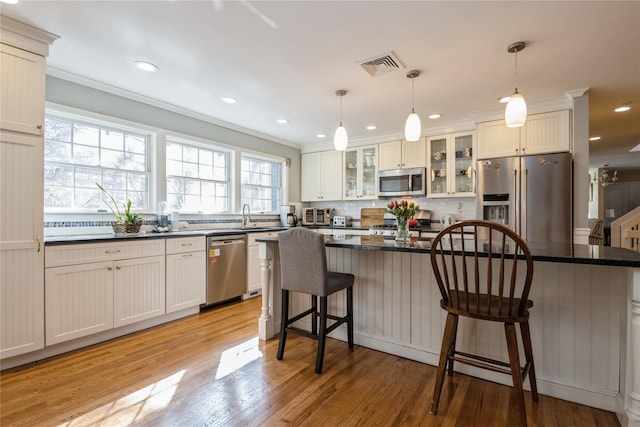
<point x="186" y="273"/>
<point x="93" y="287"/>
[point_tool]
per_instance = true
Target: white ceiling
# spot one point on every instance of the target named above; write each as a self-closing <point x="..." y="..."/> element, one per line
<point x="286" y="59"/>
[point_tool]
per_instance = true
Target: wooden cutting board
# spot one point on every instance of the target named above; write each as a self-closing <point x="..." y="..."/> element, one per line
<point x="371" y="216"/>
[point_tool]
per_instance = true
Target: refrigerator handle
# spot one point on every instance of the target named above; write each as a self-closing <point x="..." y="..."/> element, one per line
<point x="515" y="224"/>
<point x="523" y="203"/>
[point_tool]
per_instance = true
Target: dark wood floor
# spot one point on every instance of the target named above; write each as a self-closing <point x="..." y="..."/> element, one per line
<point x="211" y="370"/>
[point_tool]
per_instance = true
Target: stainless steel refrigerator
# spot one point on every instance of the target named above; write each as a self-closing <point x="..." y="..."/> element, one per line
<point x="530" y="194"/>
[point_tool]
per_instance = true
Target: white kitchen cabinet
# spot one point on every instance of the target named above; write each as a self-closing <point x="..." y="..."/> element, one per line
<point x="23" y="90"/>
<point x="254" y="265"/>
<point x="79" y="300"/>
<point x="93" y="287"/>
<point x="451" y="171"/>
<point x="402" y="154"/>
<point x="542" y="133"/>
<point x="22" y="95"/>
<point x="186" y="273"/>
<point x="360" y="173"/>
<point x="321" y="176"/>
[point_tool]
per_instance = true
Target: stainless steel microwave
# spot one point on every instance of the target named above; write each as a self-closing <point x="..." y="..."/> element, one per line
<point x="402" y="182"/>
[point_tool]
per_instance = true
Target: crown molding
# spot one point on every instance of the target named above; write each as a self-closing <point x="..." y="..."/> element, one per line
<point x="26" y="37"/>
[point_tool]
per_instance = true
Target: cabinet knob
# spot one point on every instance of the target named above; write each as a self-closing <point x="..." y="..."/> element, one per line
<point x="117" y="267"/>
<point x="39" y="126"/>
<point x="109" y="268"/>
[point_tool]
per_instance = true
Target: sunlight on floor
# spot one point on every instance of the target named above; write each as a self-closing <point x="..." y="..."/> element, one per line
<point x="238" y="356"/>
<point x="135" y="406"/>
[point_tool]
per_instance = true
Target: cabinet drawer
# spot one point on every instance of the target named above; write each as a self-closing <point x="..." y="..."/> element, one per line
<point x="186" y="244"/>
<point x="82" y="253"/>
<point x="251" y="237"/>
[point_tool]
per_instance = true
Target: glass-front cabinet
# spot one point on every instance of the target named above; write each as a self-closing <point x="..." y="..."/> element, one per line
<point x="360" y="173"/>
<point x="451" y="170"/>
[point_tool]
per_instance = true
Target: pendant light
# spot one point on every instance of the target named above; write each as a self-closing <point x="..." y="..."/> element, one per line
<point x="516" y="112"/>
<point x="412" y="127"/>
<point x="340" y="138"/>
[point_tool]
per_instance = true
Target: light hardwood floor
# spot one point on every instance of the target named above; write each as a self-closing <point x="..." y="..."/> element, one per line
<point x="211" y="370"/>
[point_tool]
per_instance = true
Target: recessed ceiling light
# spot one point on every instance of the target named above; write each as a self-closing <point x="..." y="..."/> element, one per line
<point x="229" y="100"/>
<point x="435" y="116"/>
<point x="146" y="66"/>
<point x="372" y="127"/>
<point x="282" y="121"/>
<point x="504" y="99"/>
<point x="321" y="135"/>
<point x="594" y="138"/>
<point x="622" y="109"/>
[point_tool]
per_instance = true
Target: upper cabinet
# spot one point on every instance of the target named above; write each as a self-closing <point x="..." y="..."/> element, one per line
<point x="360" y="173"/>
<point x="402" y="154"/>
<point x="451" y="165"/>
<point x="23" y="90"/>
<point x="542" y="133"/>
<point x="321" y="176"/>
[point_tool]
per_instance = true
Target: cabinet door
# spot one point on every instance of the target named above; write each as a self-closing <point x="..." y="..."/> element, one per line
<point x="352" y="166"/>
<point x="414" y="154"/>
<point x="390" y="155"/>
<point x="138" y="289"/>
<point x="79" y="301"/>
<point x="437" y="184"/>
<point x="462" y="165"/>
<point x="332" y="175"/>
<point x="495" y="139"/>
<point x="369" y="172"/>
<point x="186" y="280"/>
<point x="22" y="85"/>
<point x="21" y="248"/>
<point x="546" y="133"/>
<point x="311" y="177"/>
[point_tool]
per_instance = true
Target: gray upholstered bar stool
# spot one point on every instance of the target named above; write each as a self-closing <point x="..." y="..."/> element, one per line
<point x="303" y="268"/>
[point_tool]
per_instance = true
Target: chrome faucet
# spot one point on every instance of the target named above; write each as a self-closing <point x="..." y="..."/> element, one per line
<point x="246" y="217"/>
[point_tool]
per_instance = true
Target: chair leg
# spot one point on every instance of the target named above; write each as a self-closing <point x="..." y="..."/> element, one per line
<point x="350" y="316"/>
<point x="322" y="336"/>
<point x="284" y="319"/>
<point x="514" y="361"/>
<point x="528" y="352"/>
<point x="314" y="315"/>
<point x="452" y="347"/>
<point x="449" y="330"/>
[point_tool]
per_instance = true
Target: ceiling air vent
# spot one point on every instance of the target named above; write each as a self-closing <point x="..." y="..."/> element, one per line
<point x="381" y="64"/>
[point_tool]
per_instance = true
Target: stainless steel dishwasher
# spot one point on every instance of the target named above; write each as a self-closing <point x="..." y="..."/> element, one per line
<point x="226" y="268"/>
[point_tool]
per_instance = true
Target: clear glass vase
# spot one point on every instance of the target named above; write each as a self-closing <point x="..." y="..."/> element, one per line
<point x="402" y="234"/>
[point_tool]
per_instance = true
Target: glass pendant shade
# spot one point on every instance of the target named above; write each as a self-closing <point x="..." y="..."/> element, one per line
<point x="412" y="127"/>
<point x="340" y="138"/>
<point x="516" y="112"/>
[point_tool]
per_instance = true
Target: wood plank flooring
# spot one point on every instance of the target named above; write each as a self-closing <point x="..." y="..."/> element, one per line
<point x="211" y="370"/>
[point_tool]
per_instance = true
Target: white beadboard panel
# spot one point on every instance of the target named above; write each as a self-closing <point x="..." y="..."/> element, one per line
<point x="21" y="302"/>
<point x="22" y="81"/>
<point x="60" y="255"/>
<point x="575" y="321"/>
<point x="139" y="289"/>
<point x="79" y="301"/>
<point x="186" y="280"/>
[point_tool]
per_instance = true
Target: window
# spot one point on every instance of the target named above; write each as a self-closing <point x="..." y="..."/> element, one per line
<point x="79" y="153"/>
<point x="197" y="178"/>
<point x="261" y="184"/>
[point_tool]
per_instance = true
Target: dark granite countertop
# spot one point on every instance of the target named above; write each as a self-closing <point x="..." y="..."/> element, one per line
<point x="551" y="252"/>
<point x="94" y="238"/>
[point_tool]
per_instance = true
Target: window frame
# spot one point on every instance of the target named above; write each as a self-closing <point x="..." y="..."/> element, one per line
<point x="204" y="144"/>
<point x="282" y="176"/>
<point x="88" y="118"/>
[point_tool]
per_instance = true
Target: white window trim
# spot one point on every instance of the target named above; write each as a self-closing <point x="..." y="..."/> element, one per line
<point x="76" y="114"/>
<point x="284" y="175"/>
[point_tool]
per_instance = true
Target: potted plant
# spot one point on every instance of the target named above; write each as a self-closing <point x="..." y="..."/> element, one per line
<point x="126" y="221"/>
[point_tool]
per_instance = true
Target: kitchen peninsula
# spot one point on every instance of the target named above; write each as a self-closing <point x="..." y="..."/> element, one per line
<point x="585" y="323"/>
